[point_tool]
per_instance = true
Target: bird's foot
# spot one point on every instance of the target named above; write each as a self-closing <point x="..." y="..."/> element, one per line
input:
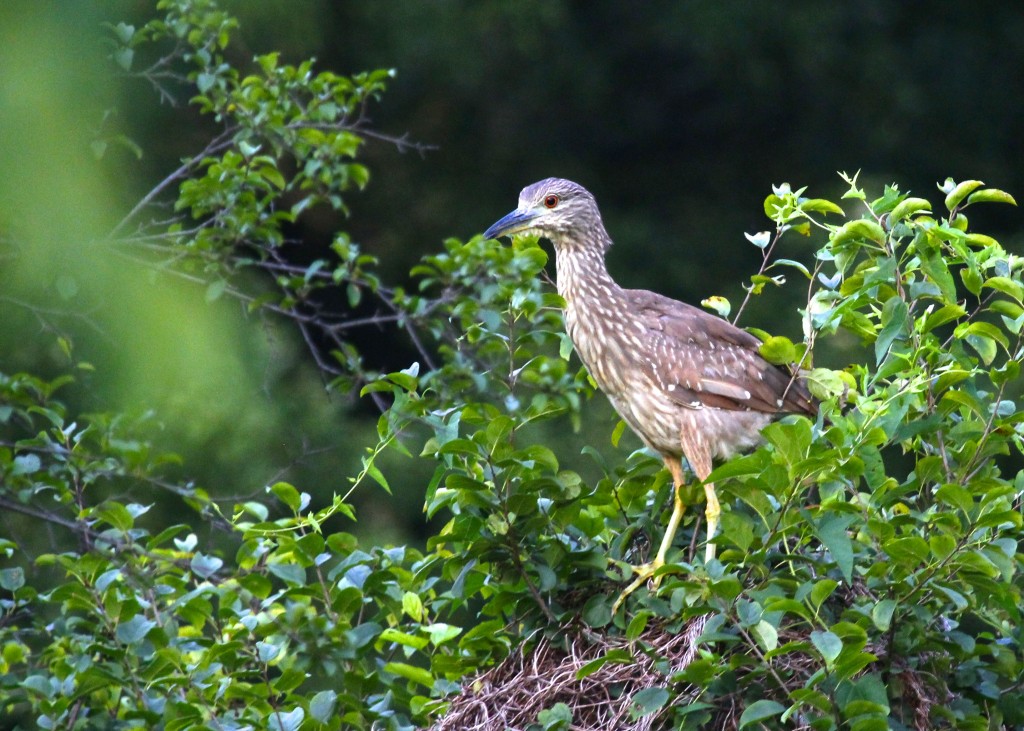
<point x="645" y="572"/>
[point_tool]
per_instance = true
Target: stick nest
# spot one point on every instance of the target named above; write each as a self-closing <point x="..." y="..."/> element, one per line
<point x="539" y="675"/>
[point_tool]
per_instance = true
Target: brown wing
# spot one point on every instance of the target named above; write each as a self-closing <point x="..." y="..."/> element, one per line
<point x="705" y="361"/>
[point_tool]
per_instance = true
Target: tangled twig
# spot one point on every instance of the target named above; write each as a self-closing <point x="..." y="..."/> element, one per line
<point x="538" y="676"/>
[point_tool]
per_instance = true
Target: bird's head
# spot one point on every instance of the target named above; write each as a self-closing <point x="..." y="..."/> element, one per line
<point x="559" y="210"/>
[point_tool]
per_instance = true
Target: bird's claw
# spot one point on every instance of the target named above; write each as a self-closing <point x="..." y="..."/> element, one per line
<point x="645" y="572"/>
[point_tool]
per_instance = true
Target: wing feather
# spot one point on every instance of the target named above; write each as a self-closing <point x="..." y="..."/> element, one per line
<point x="705" y="361"/>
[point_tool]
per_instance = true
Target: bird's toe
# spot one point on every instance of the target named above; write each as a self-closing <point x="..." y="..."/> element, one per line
<point x="644" y="573"/>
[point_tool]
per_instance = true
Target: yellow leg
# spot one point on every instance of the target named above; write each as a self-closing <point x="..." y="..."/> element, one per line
<point x="646" y="571"/>
<point x="698" y="454"/>
<point x="673" y="526"/>
<point x="711" y="513"/>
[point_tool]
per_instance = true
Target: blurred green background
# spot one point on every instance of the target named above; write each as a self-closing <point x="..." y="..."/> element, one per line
<point x="678" y="116"/>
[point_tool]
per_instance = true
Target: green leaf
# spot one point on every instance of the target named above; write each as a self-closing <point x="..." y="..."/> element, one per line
<point x="894" y="323"/>
<point x="772" y="206"/>
<point x="941" y="545"/>
<point x="991" y="195"/>
<point x="881" y="614"/>
<point x="374" y="472"/>
<point x="820" y="205"/>
<point x="287" y="495"/>
<point x="1015" y="323"/>
<point x="538" y="455"/>
<point x="638" y="624"/>
<point x="114" y="514"/>
<point x="650" y="700"/>
<point x="363" y="634"/>
<point x="281" y="721"/>
<point x="123" y="57"/>
<point x="12" y="579"/>
<point x="972" y="279"/>
<point x="965" y="399"/>
<point x="556" y="718"/>
<point x="961" y="191"/>
<point x="786" y="605"/>
<point x="390" y="634"/>
<point x="821" y="591"/>
<point x="832" y="532"/>
<point x="748" y="613"/>
<point x="983" y="329"/>
<point x="828" y="644"/>
<point x="791" y="264"/>
<point x="790" y="439"/>
<point x="937" y="270"/>
<point x="1007" y="286"/>
<point x="825" y="383"/>
<point x="984" y="346"/>
<point x="760" y="711"/>
<point x="717" y="304"/>
<point x="25" y="464"/>
<point x="41" y="685"/>
<point x="866" y="700"/>
<point x="15" y="653"/>
<point x="124" y="32"/>
<point x="617" y="432"/>
<point x="941" y="316"/>
<point x="134" y="630"/>
<point x="322" y="706"/>
<point x="859" y="230"/>
<point x="749" y="464"/>
<point x="272" y="175"/>
<point x="215" y="289"/>
<point x="564" y="346"/>
<point x="766" y="634"/>
<point x="738" y="528"/>
<point x="497" y="524"/>
<point x="908" y="550"/>
<point x="909" y="206"/>
<point x="441" y="633"/>
<point x="411" y="672"/>
<point x="955" y="496"/>
<point x="597" y="612"/>
<point x="1010" y="371"/>
<point x="291" y="573"/>
<point x="205" y="566"/>
<point x="779" y="350"/>
<point x="412" y="605"/>
<point x="205" y="82"/>
<point x="266" y="652"/>
<point x="619" y="655"/>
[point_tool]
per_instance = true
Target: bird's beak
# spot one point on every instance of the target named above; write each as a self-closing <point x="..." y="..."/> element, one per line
<point x="518" y="220"/>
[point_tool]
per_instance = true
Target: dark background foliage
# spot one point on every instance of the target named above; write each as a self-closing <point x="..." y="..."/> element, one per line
<point x="677" y="115"/>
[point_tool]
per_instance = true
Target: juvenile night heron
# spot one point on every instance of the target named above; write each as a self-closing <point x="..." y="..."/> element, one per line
<point x="687" y="382"/>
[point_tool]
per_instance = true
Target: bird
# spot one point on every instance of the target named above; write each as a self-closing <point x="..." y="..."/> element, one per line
<point x="689" y="383"/>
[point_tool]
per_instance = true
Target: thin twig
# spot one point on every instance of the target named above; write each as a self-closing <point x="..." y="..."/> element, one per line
<point x="218" y="143"/>
<point x="766" y="255"/>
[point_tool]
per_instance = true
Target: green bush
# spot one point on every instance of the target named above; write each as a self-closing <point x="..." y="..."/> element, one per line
<point x="867" y="573"/>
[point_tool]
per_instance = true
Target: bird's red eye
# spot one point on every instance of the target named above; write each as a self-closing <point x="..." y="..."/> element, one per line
<point x="551" y="201"/>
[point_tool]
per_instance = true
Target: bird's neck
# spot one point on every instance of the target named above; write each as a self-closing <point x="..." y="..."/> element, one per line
<point x="583" y="275"/>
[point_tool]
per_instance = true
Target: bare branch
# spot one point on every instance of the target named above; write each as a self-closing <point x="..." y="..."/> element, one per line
<point x="217" y="144"/>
